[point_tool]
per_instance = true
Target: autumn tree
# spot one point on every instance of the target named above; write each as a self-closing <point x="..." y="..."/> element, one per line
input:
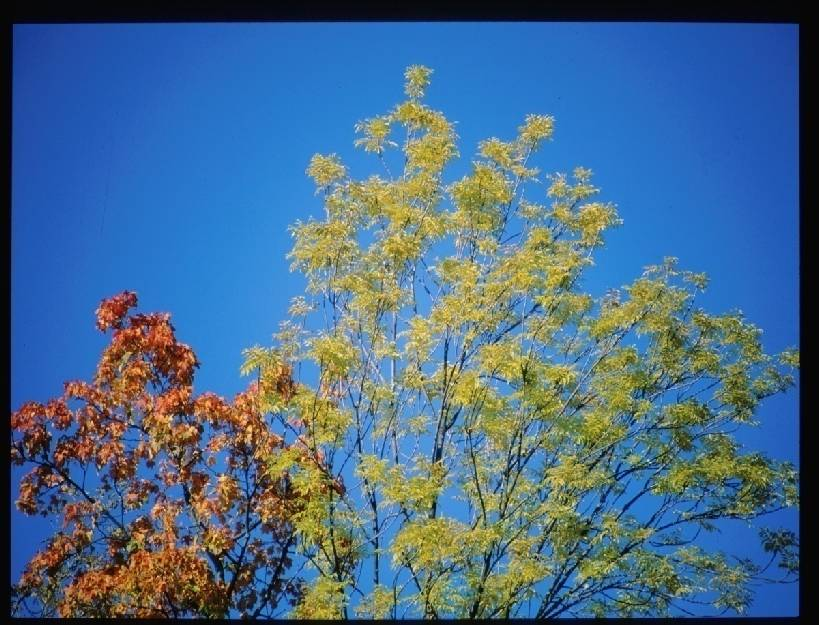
<point x="166" y="503"/>
<point x="512" y="445"/>
<point x="460" y="430"/>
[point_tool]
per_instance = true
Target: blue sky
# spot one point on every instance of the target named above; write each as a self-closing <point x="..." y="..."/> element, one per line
<point x="169" y="160"/>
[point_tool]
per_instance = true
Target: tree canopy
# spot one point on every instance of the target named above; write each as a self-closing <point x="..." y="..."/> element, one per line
<point x="446" y="425"/>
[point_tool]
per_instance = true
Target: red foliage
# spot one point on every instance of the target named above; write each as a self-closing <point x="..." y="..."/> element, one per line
<point x="166" y="501"/>
<point x="111" y="311"/>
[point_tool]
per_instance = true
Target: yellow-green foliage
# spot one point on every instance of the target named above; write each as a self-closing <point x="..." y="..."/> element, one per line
<point x="324" y="599"/>
<point x="325" y="170"/>
<point x="377" y="605"/>
<point x="429" y="542"/>
<point x="336" y="355"/>
<point x="478" y="426"/>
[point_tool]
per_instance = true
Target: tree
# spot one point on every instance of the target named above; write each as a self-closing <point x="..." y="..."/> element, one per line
<point x="472" y="434"/>
<point x="166" y="503"/>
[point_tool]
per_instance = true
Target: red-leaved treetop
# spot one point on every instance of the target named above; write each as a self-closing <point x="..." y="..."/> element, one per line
<point x="168" y="503"/>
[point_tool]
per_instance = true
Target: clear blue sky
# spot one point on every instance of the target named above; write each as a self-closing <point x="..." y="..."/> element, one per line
<point x="169" y="160"/>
